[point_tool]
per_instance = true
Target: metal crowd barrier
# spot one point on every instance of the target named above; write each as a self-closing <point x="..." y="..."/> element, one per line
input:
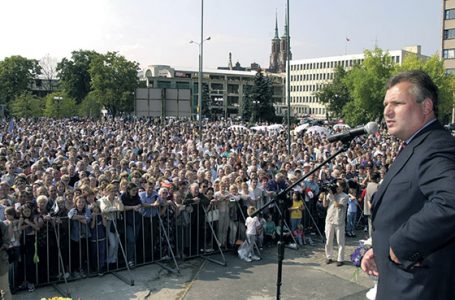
<point x="66" y="250"/>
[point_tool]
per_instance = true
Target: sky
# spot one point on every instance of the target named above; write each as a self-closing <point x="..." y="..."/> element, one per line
<point x="158" y="32"/>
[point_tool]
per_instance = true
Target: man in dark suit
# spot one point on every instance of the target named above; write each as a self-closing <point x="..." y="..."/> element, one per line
<point x="414" y="208"/>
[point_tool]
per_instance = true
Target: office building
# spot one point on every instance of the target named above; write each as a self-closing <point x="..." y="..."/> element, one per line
<point x="224" y="89"/>
<point x="448" y="35"/>
<point x="308" y="76"/>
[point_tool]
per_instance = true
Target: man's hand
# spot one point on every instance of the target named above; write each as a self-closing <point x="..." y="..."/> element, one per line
<point x="369" y="264"/>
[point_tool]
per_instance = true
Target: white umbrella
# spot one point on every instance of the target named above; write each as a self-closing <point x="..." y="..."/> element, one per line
<point x="259" y="128"/>
<point x="239" y="128"/>
<point x="275" y="127"/>
<point x="301" y="127"/>
<point x="318" y="130"/>
<point x="341" y="126"/>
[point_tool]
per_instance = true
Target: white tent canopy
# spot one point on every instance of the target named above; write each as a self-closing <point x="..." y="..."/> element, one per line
<point x="318" y="130"/>
<point x="239" y="128"/>
<point x="341" y="126"/>
<point x="301" y="127"/>
<point x="275" y="127"/>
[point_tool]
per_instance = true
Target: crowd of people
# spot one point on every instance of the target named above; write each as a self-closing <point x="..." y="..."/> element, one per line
<point x="118" y="192"/>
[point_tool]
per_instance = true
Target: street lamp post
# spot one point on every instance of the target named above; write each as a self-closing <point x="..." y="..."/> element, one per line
<point x="288" y="75"/>
<point x="199" y="82"/>
<point x="201" y="56"/>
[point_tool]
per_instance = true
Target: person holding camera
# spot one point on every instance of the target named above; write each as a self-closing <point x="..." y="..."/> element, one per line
<point x="334" y="198"/>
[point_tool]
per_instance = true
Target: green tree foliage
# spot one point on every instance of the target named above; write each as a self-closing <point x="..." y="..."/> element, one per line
<point x="114" y="80"/>
<point x="74" y="74"/>
<point x="205" y="100"/>
<point x="90" y="107"/>
<point x="366" y="84"/>
<point x="26" y="106"/>
<point x="16" y="75"/>
<point x="60" y="106"/>
<point x="335" y="95"/>
<point x="247" y="104"/>
<point x="261" y="99"/>
<point x="434" y="67"/>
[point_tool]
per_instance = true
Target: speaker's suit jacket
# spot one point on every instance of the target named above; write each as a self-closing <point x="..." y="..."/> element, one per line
<point x="414" y="214"/>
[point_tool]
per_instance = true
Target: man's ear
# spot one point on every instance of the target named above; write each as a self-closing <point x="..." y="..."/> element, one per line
<point x="427" y="106"/>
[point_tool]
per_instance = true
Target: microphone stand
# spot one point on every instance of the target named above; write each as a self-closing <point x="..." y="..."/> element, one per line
<point x="280" y="200"/>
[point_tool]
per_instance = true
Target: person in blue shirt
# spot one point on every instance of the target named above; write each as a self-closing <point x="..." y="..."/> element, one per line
<point x="149" y="236"/>
<point x="352" y="212"/>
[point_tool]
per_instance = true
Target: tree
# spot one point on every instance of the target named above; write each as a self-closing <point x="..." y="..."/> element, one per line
<point x="434" y="67"/>
<point x="16" y="75"/>
<point x="74" y="74"/>
<point x="90" y="106"/>
<point x="366" y="84"/>
<point x="60" y="106"/>
<point x="205" y="100"/>
<point x="261" y="98"/>
<point x="247" y="104"/>
<point x="114" y="80"/>
<point x="48" y="66"/>
<point x="26" y="106"/>
<point x="335" y="95"/>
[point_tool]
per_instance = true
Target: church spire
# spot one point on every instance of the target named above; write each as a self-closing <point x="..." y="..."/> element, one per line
<point x="276" y="25"/>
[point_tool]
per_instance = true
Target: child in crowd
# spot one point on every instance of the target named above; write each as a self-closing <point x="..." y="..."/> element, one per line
<point x="269" y="231"/>
<point x="98" y="238"/>
<point x="60" y="214"/>
<point x="352" y="212"/>
<point x="79" y="233"/>
<point x="299" y="235"/>
<point x="29" y="227"/>
<point x="296" y="210"/>
<point x="260" y="235"/>
<point x="287" y="235"/>
<point x="246" y="251"/>
<point x="15" y="237"/>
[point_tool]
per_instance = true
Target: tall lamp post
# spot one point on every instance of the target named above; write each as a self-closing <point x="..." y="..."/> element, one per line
<point x="288" y="76"/>
<point x="199" y="82"/>
<point x="201" y="56"/>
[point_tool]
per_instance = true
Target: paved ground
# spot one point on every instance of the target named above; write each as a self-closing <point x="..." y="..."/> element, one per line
<point x="305" y="276"/>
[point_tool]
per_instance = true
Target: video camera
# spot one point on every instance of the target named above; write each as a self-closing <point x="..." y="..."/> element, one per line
<point x="329" y="186"/>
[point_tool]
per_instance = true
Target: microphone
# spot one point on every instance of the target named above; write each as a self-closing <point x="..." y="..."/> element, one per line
<point x="370" y="128"/>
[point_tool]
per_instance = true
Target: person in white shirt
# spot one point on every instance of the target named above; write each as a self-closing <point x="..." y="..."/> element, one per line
<point x="252" y="227"/>
<point x="336" y="201"/>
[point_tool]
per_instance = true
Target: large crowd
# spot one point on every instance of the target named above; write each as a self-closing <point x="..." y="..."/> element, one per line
<point x="114" y="193"/>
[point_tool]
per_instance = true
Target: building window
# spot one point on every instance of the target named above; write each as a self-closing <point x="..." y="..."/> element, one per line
<point x="182" y="85"/>
<point x="449" y="14"/>
<point x="164" y="84"/>
<point x="449" y="34"/>
<point x="448" y="53"/>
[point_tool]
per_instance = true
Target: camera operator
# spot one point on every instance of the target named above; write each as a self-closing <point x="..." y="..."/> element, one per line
<point x="336" y="200"/>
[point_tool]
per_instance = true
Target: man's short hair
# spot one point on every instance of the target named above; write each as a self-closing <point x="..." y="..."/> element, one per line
<point x="423" y="86"/>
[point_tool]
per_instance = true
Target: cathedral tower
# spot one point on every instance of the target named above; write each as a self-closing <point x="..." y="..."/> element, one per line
<point x="279" y="50"/>
<point x="275" y="50"/>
